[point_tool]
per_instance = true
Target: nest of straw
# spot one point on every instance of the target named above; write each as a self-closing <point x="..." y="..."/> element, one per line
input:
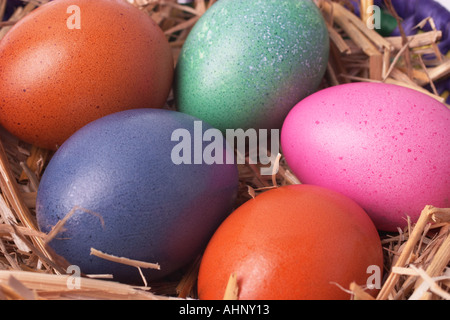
<point x="416" y="258"/>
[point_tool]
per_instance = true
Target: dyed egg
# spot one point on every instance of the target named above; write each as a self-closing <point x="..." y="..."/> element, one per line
<point x="385" y="146"/>
<point x="297" y="242"/>
<point x="130" y="197"/>
<point x="73" y="61"/>
<point x="245" y="64"/>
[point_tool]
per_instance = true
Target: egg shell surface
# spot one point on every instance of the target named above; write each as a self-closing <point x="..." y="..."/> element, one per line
<point x="385" y="146"/>
<point x="294" y="242"/>
<point x="245" y="64"/>
<point x="55" y="78"/>
<point x="132" y="200"/>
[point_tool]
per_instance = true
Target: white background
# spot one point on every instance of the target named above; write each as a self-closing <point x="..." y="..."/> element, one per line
<point x="445" y="3"/>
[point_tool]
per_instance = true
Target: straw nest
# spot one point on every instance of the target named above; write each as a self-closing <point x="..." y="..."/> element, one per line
<point x="416" y="258"/>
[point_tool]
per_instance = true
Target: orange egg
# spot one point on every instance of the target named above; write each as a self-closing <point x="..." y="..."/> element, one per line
<point x="295" y="242"/>
<point x="70" y="62"/>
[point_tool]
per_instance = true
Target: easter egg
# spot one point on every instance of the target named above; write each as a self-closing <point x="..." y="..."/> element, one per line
<point x="245" y="64"/>
<point x="385" y="146"/>
<point x="70" y="62"/>
<point x="123" y="194"/>
<point x="296" y="242"/>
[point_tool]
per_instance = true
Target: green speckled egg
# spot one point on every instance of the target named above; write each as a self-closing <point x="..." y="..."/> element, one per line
<point x="245" y="64"/>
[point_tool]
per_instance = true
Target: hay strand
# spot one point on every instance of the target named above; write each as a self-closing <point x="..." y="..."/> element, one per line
<point x="124" y="260"/>
<point x="407" y="256"/>
<point x="50" y="287"/>
<point x="232" y="289"/>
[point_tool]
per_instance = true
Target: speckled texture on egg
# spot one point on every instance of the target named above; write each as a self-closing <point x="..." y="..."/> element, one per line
<point x="119" y="168"/>
<point x="245" y="64"/>
<point x="385" y="146"/>
<point x="54" y="79"/>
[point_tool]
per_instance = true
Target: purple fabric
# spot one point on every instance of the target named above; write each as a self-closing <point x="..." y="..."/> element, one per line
<point x="414" y="11"/>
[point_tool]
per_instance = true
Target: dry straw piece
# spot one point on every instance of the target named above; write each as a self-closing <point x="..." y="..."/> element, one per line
<point x="416" y="258"/>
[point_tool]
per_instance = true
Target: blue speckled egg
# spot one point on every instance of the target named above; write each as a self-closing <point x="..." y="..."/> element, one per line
<point x="134" y="200"/>
<point x="245" y="64"/>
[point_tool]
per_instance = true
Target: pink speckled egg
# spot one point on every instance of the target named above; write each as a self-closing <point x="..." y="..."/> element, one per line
<point x="385" y="146"/>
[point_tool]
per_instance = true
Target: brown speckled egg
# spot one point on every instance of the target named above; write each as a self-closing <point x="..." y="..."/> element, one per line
<point x="70" y="62"/>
